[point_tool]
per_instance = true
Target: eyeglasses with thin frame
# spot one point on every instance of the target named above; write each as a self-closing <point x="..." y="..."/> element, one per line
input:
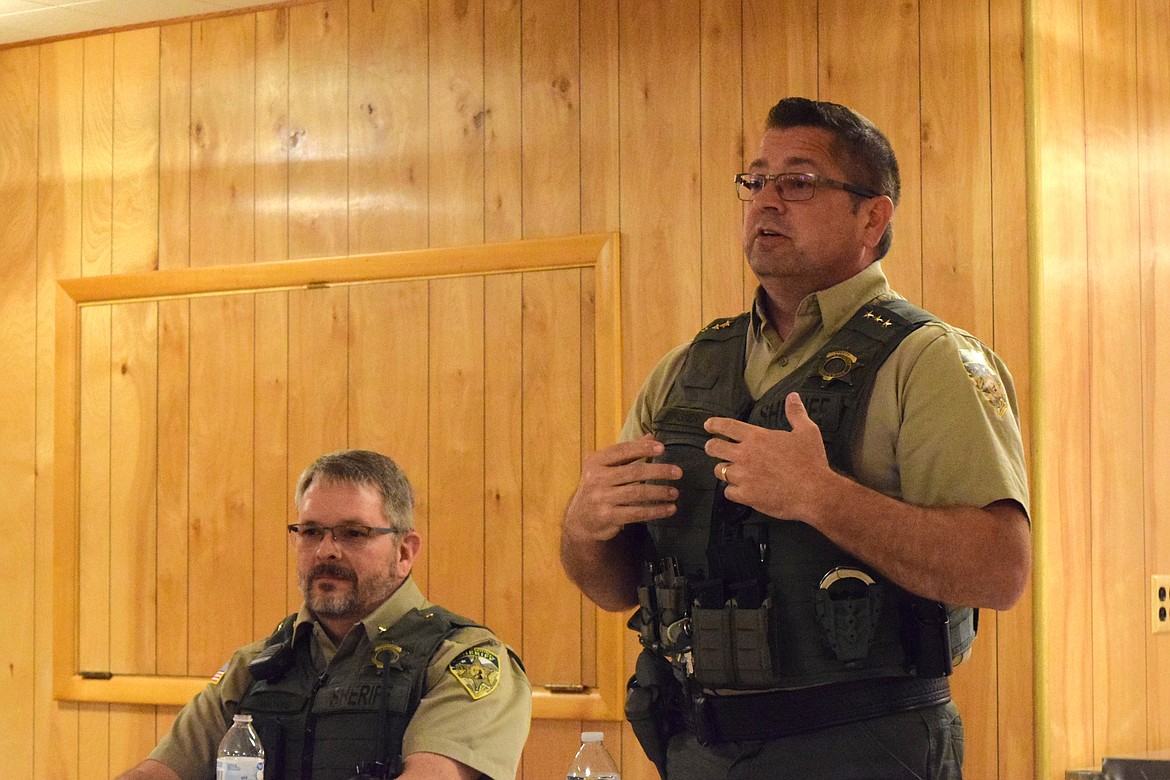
<point x="344" y="534"/>
<point x="792" y="186"/>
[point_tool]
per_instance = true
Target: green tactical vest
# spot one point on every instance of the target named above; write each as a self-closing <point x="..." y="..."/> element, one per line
<point x="325" y="726"/>
<point x="777" y="604"/>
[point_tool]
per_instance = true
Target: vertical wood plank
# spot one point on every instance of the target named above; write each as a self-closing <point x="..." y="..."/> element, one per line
<point x="220" y="544"/>
<point x="661" y="210"/>
<point x="174" y="146"/>
<point x="1114" y="283"/>
<point x="389" y="386"/>
<point x="502" y="97"/>
<point x="589" y="376"/>
<point x="503" y="400"/>
<point x="135" y="238"/>
<point x="780" y="50"/>
<point x="387" y="126"/>
<point x="551" y="101"/>
<point x="956" y="275"/>
<point x="780" y="53"/>
<point x="134" y="383"/>
<point x="551" y="747"/>
<point x="890" y="98"/>
<point x="174" y="511"/>
<point x="223" y="139"/>
<point x="132" y="736"/>
<point x="93" y="620"/>
<point x="724" y="275"/>
<point x="97" y="150"/>
<point x="272" y="135"/>
<point x="58" y="247"/>
<point x="1015" y="653"/>
<point x="551" y="366"/>
<point x="93" y="747"/>
<point x="318" y="324"/>
<point x="273" y="508"/>
<point x="19" y="79"/>
<point x="955" y="163"/>
<point x="455" y="213"/>
<point x="318" y="91"/>
<point x="1153" y="82"/>
<point x="455" y="547"/>
<point x="93" y="600"/>
<point x="1065" y="707"/>
<point x="133" y="380"/>
<point x="600" y="203"/>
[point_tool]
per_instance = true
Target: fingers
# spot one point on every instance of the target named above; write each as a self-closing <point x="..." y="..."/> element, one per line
<point x="620" y="486"/>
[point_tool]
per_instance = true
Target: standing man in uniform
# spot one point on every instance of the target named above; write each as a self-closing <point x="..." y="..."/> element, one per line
<point x="812" y="499"/>
<point x="368" y="679"/>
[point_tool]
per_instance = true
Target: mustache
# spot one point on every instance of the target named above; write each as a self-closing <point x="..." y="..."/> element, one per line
<point x="332" y="569"/>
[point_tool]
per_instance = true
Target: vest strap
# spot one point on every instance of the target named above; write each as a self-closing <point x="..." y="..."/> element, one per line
<point x="758" y="716"/>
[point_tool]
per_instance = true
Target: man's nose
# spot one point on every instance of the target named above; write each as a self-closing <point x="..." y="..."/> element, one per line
<point x="769" y="197"/>
<point x="327" y="547"/>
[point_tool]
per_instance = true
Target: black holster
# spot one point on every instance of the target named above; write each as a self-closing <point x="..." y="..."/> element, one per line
<point x="653" y="707"/>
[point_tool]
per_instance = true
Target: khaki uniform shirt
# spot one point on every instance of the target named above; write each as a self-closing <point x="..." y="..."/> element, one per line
<point x="486" y="734"/>
<point x="942" y="427"/>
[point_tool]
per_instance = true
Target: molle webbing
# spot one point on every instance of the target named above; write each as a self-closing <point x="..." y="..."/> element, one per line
<point x="714" y="549"/>
<point x="325" y="725"/>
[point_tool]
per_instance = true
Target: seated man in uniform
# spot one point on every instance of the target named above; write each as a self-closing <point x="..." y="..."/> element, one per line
<point x="368" y="679"/>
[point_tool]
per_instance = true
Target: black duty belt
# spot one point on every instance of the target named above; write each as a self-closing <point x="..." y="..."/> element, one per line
<point x="771" y="714"/>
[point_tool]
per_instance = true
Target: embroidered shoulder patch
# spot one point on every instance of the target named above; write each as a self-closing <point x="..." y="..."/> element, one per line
<point x="477" y="670"/>
<point x="985" y="379"/>
<point x="215" y="678"/>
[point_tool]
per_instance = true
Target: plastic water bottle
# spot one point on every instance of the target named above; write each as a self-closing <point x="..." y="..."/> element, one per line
<point x="593" y="761"/>
<point x="240" y="755"/>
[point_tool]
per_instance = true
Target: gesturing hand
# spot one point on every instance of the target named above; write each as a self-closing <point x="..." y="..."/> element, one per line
<point x="614" y="490"/>
<point x="779" y="473"/>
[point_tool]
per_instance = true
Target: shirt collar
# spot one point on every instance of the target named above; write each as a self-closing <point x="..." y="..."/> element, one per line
<point x="832" y="306"/>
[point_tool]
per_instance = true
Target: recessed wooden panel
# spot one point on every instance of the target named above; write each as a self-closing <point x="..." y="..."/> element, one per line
<point x="276" y="376"/>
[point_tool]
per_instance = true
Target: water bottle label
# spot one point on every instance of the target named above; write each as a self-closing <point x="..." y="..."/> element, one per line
<point x="239" y="768"/>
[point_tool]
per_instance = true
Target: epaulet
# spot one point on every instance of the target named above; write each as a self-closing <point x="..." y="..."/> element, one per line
<point x="724" y="327"/>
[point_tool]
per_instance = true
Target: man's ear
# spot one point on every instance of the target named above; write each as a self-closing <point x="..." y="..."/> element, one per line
<point x="878" y="212"/>
<point x="409" y="544"/>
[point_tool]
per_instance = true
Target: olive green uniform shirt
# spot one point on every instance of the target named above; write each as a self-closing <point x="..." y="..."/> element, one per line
<point x="487" y="734"/>
<point x="942" y="426"/>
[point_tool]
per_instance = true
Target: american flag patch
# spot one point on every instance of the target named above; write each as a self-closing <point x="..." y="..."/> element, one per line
<point x="215" y="678"/>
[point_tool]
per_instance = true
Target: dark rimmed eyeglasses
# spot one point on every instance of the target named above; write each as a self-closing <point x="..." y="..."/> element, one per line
<point x="344" y="534"/>
<point x="792" y="186"/>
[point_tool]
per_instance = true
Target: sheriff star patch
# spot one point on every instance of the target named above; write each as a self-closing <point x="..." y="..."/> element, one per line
<point x="985" y="379"/>
<point x="477" y="670"/>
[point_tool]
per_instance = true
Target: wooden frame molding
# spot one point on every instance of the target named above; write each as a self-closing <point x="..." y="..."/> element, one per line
<point x="597" y="251"/>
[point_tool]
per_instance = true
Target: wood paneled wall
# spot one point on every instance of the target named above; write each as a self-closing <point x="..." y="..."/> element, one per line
<point x="338" y="127"/>
<point x="1101" y="252"/>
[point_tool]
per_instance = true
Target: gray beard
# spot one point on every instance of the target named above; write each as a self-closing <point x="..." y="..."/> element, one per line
<point x="355" y="602"/>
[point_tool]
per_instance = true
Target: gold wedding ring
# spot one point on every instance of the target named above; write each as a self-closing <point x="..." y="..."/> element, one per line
<point x="723" y="471"/>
